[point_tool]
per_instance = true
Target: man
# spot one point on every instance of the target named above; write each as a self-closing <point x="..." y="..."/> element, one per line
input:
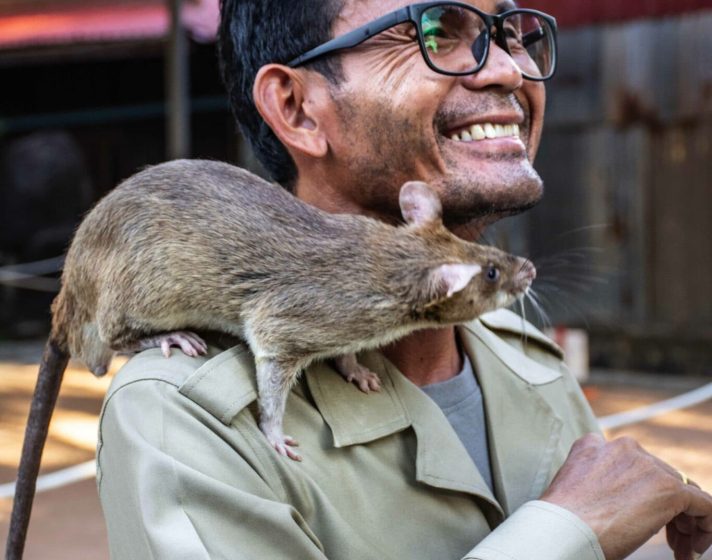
<point x="411" y="471"/>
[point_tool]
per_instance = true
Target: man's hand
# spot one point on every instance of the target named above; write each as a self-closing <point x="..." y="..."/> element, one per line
<point x="626" y="495"/>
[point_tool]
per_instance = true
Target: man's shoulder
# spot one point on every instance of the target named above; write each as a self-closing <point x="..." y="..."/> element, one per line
<point x="503" y="342"/>
<point x="223" y="372"/>
<point x="152" y="365"/>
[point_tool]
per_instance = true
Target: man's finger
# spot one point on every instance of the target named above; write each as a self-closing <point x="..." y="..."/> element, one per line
<point x="682" y="545"/>
<point x="685" y="524"/>
<point x="701" y="542"/>
<point x="699" y="505"/>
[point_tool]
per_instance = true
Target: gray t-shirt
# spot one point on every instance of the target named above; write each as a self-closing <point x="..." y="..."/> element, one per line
<point x="460" y="399"/>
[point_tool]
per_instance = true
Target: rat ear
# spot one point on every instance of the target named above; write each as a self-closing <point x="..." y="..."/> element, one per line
<point x="448" y="279"/>
<point x="419" y="203"/>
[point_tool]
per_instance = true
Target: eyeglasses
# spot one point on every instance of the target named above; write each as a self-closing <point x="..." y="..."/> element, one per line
<point x="454" y="38"/>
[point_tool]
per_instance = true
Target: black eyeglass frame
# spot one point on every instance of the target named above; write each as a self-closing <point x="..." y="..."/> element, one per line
<point x="413" y="14"/>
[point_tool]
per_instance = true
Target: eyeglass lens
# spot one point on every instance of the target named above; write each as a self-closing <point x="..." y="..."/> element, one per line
<point x="456" y="40"/>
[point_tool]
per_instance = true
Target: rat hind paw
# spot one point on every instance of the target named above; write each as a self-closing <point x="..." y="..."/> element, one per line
<point x="283" y="444"/>
<point x="190" y="343"/>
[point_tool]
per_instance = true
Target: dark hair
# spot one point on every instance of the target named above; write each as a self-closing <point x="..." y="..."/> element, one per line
<point x="253" y="33"/>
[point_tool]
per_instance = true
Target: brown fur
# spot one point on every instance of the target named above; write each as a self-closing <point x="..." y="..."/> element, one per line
<point x="206" y="245"/>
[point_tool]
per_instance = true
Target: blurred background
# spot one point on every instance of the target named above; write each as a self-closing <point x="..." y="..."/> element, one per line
<point x="93" y="90"/>
<point x="626" y="158"/>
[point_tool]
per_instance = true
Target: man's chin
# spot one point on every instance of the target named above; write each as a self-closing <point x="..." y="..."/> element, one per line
<point x="488" y="197"/>
<point x="471" y="227"/>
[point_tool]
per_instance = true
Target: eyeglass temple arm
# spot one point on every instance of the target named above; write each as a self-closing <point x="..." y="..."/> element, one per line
<point x="533" y="36"/>
<point x="355" y="37"/>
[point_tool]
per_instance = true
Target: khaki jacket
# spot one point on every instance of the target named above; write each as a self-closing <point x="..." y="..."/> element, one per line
<point x="184" y="472"/>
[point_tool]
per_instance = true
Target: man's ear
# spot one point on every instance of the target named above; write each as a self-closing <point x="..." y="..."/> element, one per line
<point x="281" y="96"/>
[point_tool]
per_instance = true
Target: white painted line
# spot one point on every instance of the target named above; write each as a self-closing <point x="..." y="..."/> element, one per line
<point x="87" y="470"/>
<point x="685" y="400"/>
<point x="56" y="479"/>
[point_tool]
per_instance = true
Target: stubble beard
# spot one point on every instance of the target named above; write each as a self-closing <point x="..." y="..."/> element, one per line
<point x="503" y="185"/>
<point x="393" y="142"/>
<point x="474" y="197"/>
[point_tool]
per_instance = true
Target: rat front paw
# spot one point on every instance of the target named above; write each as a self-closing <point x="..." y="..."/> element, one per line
<point x="364" y="379"/>
<point x="355" y="373"/>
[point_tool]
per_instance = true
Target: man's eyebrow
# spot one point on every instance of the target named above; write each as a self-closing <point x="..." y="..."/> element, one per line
<point x="506" y="5"/>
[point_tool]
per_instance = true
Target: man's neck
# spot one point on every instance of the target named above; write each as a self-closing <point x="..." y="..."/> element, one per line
<point x="427" y="356"/>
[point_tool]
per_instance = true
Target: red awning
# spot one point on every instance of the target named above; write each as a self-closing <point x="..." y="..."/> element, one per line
<point x="63" y="25"/>
<point x="126" y="21"/>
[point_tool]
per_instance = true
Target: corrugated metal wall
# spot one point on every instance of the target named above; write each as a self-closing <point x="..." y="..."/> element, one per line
<point x="623" y="238"/>
<point x="586" y="12"/>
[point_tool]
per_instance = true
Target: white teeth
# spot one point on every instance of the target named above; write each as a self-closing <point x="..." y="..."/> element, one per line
<point x="486" y="130"/>
<point x="478" y="133"/>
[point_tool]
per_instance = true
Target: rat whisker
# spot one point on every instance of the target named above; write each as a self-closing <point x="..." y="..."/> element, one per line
<point x="564" y="300"/>
<point x="533" y="298"/>
<point x="582" y="229"/>
<point x="523" y="314"/>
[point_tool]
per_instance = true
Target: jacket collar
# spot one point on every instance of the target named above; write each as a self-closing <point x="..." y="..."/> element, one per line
<point x="225" y="384"/>
<point x="355" y="417"/>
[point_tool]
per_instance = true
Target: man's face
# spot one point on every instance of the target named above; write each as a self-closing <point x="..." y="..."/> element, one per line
<point x="395" y="119"/>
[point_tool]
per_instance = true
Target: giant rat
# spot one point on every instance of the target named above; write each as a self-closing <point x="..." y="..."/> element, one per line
<point x="206" y="245"/>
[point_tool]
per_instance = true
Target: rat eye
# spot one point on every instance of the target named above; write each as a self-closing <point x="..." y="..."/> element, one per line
<point x="492" y="274"/>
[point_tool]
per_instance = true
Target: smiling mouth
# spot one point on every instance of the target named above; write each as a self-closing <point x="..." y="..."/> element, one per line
<point x="485" y="131"/>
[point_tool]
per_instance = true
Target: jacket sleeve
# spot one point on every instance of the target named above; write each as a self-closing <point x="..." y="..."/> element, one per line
<point x="539" y="531"/>
<point x="159" y="503"/>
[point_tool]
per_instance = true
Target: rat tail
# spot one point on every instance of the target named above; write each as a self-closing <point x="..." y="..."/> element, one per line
<point x="54" y="362"/>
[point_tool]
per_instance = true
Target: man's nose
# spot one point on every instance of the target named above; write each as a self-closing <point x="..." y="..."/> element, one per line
<point x="500" y="71"/>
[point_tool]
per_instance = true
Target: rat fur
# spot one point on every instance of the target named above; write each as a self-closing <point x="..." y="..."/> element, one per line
<point x="206" y="245"/>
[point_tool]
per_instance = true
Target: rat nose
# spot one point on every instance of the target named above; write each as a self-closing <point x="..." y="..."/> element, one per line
<point x="527" y="273"/>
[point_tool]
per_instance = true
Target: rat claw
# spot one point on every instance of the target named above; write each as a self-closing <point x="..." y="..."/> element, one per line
<point x="283" y="444"/>
<point x="366" y="380"/>
<point x="285" y="450"/>
<point x="198" y="345"/>
<point x="355" y="373"/>
<point x="293" y="455"/>
<point x="189" y="343"/>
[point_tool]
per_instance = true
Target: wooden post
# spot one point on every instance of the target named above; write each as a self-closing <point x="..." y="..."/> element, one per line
<point x="177" y="69"/>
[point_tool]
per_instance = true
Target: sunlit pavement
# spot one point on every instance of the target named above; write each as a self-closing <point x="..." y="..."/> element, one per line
<point x="67" y="522"/>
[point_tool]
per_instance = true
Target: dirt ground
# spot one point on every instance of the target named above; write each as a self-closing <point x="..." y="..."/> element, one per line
<point x="67" y="522"/>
